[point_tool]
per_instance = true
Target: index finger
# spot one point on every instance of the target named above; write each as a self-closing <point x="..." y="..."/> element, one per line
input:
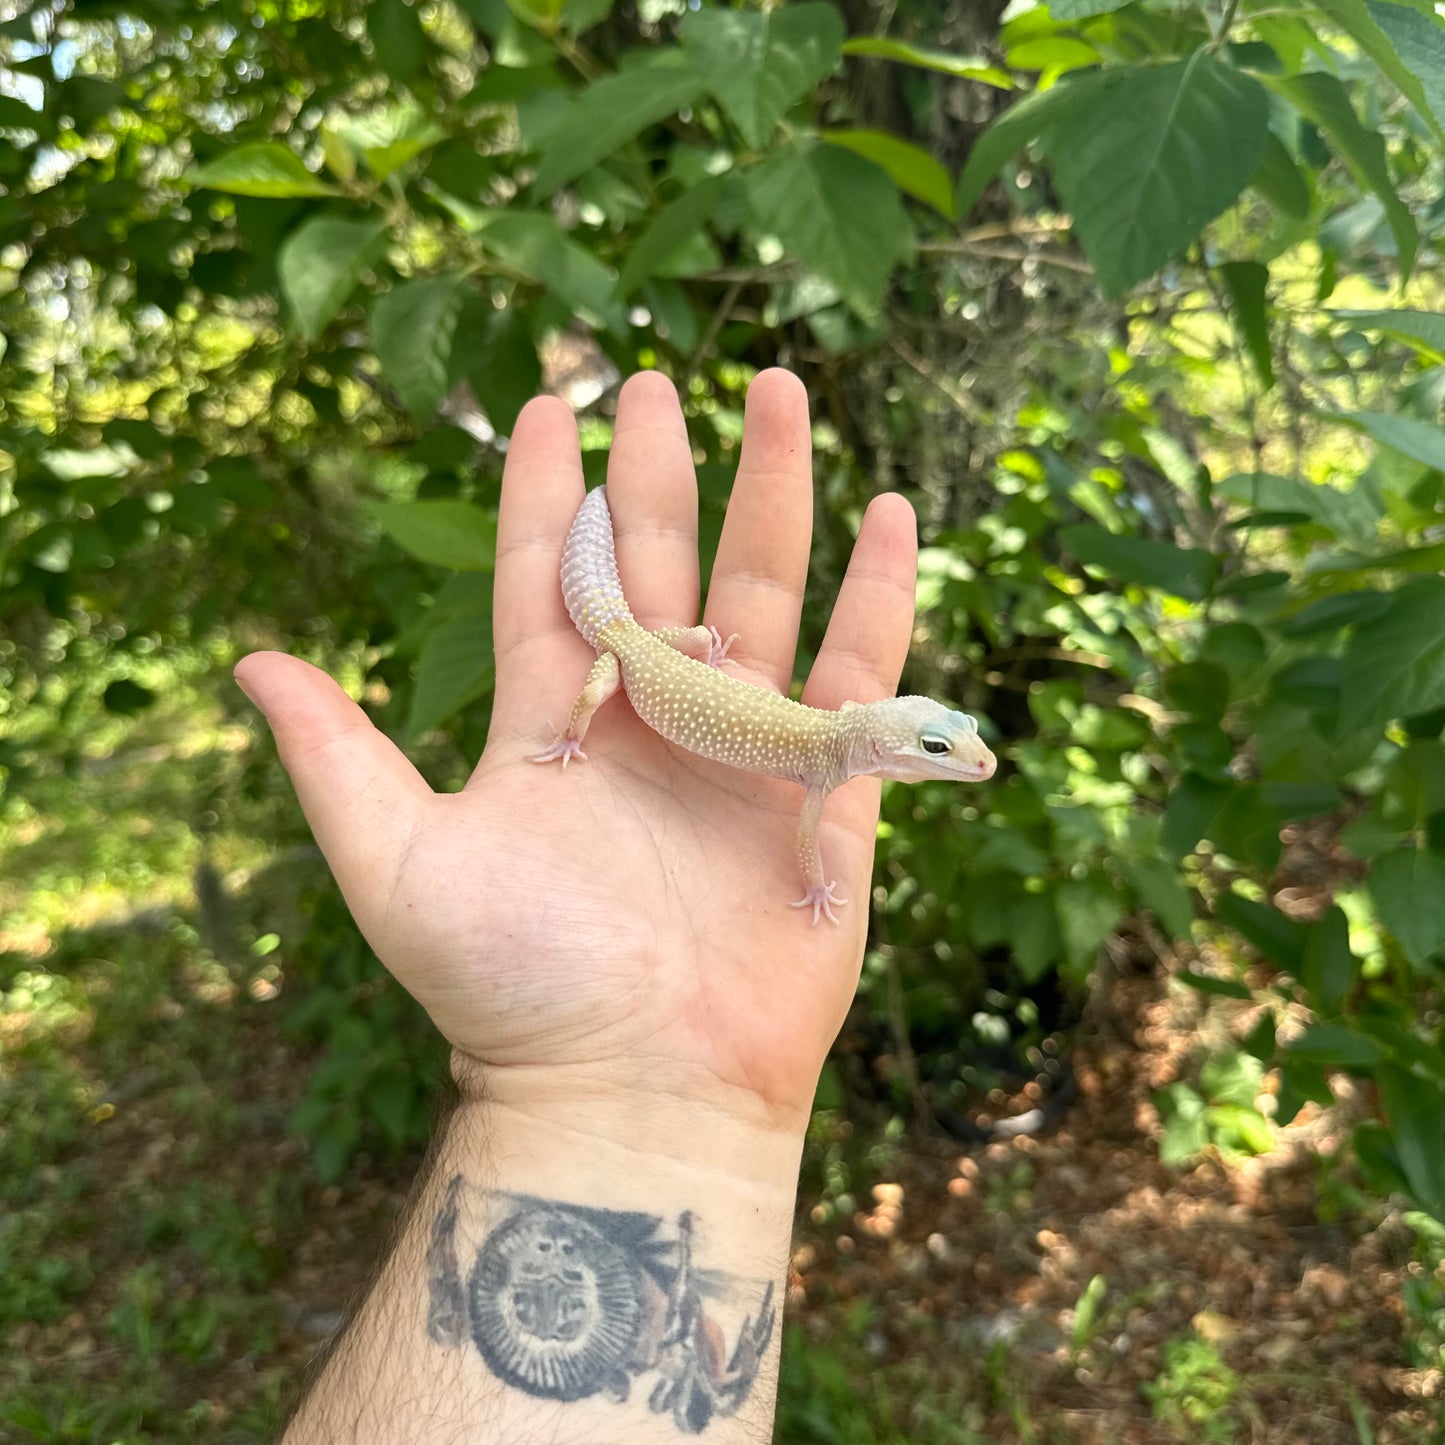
<point x="541" y="490"/>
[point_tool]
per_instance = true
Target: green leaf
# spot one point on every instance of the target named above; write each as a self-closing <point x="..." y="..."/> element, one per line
<point x="1336" y="1045"/>
<point x="1247" y="283"/>
<point x="1231" y="1077"/>
<point x="534" y="244"/>
<point x="1331" y="614"/>
<point x="1299" y="800"/>
<point x="1427" y="328"/>
<point x="1052" y="55"/>
<point x="1280" y="179"/>
<point x="390" y="136"/>
<point x="837" y="214"/>
<point x="758" y="63"/>
<point x="1350" y="513"/>
<point x="413" y="327"/>
<point x="1190" y="814"/>
<point x="965" y="67"/>
<point x="1187" y="572"/>
<point x="1394" y="665"/>
<point x="1329" y="968"/>
<point x="1119" y="165"/>
<point x="1198" y="688"/>
<point x="1416" y="1115"/>
<point x="319" y="264"/>
<point x="1186" y="1132"/>
<point x="455" y="669"/>
<point x="1235" y="1127"/>
<point x="504" y="85"/>
<point x="610" y="113"/>
<point x="268" y="169"/>
<point x="670" y="229"/>
<point x="1280" y="938"/>
<point x="1421" y="441"/>
<point x="1210" y="983"/>
<point x="1083" y="9"/>
<point x="1262" y="1041"/>
<point x="443" y="532"/>
<point x="1324" y="102"/>
<point x="495" y="352"/>
<point x="1408" y="886"/>
<point x="1024" y="121"/>
<point x="1419" y="40"/>
<point x="397" y="36"/>
<point x="1422" y="1056"/>
<point x="912" y="169"/>
<point x="1033" y="936"/>
<point x="1366" y="25"/>
<point x="334" y="1145"/>
<point x="1087" y="909"/>
<point x="392" y="1099"/>
<point x="542" y="15"/>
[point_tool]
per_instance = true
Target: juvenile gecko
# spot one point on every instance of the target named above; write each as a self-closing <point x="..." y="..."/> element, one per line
<point x="674" y="681"/>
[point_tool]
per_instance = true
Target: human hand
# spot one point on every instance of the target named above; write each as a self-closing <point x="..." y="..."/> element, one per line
<point x="620" y="931"/>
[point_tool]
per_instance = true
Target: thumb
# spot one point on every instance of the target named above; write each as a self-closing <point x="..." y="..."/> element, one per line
<point x="361" y="796"/>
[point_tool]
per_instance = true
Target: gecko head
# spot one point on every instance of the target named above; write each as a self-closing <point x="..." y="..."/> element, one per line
<point x="915" y="739"/>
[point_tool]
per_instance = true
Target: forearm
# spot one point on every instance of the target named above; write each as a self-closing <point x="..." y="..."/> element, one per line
<point x="597" y="1274"/>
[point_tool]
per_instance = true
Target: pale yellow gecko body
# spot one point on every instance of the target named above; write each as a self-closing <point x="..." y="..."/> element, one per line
<point x="674" y="681"/>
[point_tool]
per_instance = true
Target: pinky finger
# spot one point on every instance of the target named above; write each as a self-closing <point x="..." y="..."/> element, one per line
<point x="867" y="639"/>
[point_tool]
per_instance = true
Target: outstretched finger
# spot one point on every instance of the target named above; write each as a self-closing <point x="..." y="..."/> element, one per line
<point x="361" y="796"/>
<point x="762" y="559"/>
<point x="541" y="491"/>
<point x="652" y="494"/>
<point x="866" y="643"/>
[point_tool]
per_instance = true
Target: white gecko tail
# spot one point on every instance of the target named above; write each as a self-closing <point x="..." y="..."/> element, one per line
<point x="590" y="584"/>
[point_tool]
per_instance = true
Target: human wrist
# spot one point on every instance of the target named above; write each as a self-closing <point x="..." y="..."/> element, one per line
<point x="667" y="1114"/>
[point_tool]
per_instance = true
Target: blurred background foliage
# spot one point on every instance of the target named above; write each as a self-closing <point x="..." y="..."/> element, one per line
<point x="1138" y="303"/>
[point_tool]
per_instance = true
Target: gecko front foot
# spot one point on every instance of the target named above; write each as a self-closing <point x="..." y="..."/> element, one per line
<point x="820" y="896"/>
<point x="718" y="654"/>
<point x="564" y="748"/>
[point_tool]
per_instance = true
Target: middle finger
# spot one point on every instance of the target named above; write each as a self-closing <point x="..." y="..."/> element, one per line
<point x="762" y="559"/>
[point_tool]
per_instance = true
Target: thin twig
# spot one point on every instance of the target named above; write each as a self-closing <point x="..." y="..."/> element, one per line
<point x="719" y="319"/>
<point x="930" y="373"/>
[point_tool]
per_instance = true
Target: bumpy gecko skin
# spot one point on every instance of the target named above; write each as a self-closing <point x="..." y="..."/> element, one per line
<point x="674" y="681"/>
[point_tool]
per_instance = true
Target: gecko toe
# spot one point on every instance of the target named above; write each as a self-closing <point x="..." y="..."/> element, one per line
<point x="718" y="653"/>
<point x="564" y="748"/>
<point x="820" y="899"/>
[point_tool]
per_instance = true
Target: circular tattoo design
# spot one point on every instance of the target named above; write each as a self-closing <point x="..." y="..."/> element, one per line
<point x="554" y="1305"/>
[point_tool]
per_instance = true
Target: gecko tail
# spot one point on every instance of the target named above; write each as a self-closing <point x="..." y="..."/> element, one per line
<point x="591" y="586"/>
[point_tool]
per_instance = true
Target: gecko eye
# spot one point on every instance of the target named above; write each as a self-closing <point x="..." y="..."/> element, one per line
<point x="933" y="745"/>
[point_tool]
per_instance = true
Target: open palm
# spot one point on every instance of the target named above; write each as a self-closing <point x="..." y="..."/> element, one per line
<point x="625" y="920"/>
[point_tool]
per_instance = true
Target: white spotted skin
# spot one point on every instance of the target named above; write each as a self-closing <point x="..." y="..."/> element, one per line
<point x="590" y="584"/>
<point x="702" y="709"/>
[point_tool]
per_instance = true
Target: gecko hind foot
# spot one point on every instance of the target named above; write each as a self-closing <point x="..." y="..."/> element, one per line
<point x="719" y="651"/>
<point x="564" y="748"/>
<point x="819" y="897"/>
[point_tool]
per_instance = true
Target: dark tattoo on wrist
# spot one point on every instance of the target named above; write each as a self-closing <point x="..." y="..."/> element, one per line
<point x="567" y="1302"/>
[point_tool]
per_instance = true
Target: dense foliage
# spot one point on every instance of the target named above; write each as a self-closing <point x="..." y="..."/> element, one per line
<point x="1138" y="303"/>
